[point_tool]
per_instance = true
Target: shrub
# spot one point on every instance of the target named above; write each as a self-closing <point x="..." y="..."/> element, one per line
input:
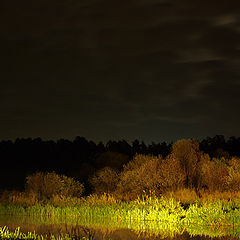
<point x="187" y="152"/>
<point x="104" y="180"/>
<point x="149" y="173"/>
<point x="45" y="185"/>
<point x="170" y="174"/>
<point x="139" y="175"/>
<point x="233" y="178"/>
<point x="214" y="175"/>
<point x="19" y="198"/>
<point x="137" y="161"/>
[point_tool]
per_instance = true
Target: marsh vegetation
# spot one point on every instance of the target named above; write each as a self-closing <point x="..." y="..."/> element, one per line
<point x="187" y="191"/>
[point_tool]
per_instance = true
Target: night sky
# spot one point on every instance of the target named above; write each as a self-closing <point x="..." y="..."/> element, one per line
<point x="155" y="70"/>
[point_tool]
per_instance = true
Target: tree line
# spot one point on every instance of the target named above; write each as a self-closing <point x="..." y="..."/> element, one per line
<point x="185" y="167"/>
<point x="88" y="162"/>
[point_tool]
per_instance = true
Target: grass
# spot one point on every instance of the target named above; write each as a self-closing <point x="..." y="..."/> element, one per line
<point x="157" y="209"/>
<point x="165" y="210"/>
<point x="146" y="213"/>
<point x="5" y="233"/>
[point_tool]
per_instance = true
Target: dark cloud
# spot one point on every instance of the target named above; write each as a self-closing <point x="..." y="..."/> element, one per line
<point x="152" y="69"/>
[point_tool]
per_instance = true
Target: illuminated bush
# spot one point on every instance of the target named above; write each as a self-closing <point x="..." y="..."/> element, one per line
<point x="171" y="175"/>
<point x="139" y="175"/>
<point x="186" y="167"/>
<point x="46" y="185"/>
<point x="19" y="198"/>
<point x="233" y="178"/>
<point x="104" y="180"/>
<point x="149" y="173"/>
<point x="214" y="175"/>
<point x="137" y="162"/>
<point x="221" y="174"/>
<point x="131" y="182"/>
<point x="188" y="154"/>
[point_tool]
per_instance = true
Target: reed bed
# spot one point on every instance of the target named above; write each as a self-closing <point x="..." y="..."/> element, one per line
<point x="147" y="208"/>
<point x="6" y="234"/>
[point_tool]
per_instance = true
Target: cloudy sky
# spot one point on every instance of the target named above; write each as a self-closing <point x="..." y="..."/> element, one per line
<point x="105" y="69"/>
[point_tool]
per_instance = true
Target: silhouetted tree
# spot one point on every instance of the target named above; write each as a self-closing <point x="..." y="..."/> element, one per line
<point x="114" y="160"/>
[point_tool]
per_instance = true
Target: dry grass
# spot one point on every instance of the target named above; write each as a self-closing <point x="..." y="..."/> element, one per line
<point x="102" y="199"/>
<point x="215" y="196"/>
<point x="20" y="198"/>
<point x="184" y="195"/>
